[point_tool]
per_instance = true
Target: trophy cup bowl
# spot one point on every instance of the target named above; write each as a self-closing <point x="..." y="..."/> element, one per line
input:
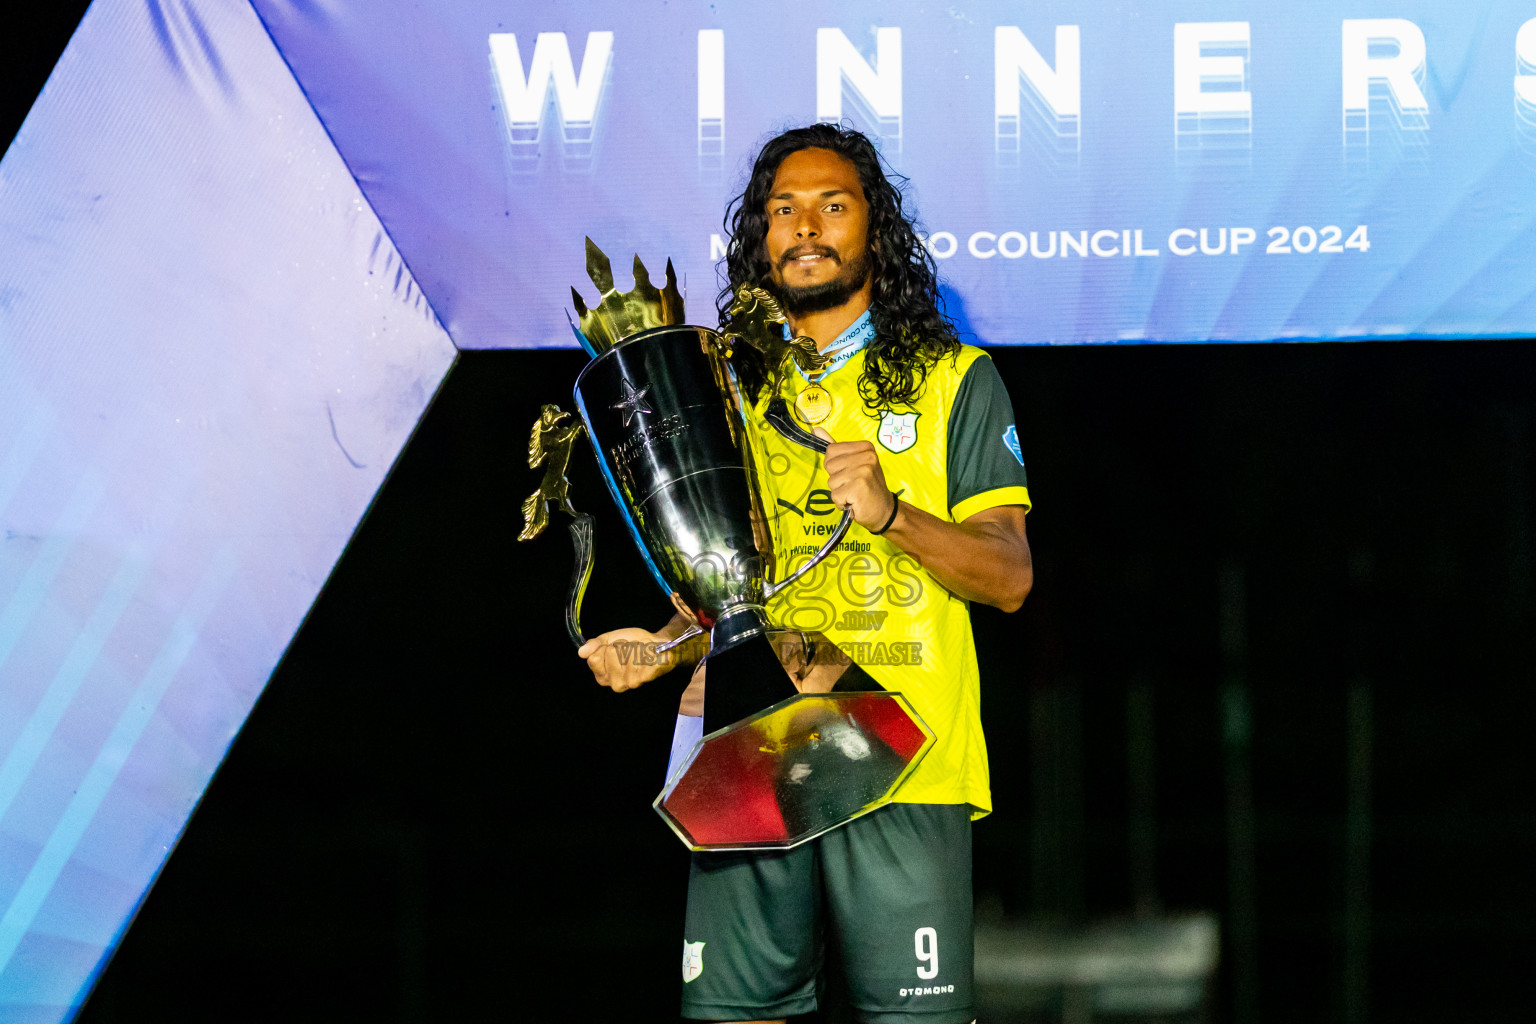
<point x="677" y="459"/>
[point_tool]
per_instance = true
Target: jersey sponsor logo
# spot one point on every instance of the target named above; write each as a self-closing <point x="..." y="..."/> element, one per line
<point x="1011" y="439"/>
<point x="898" y="431"/>
<point x="818" y="502"/>
<point x="928" y="990"/>
<point x="693" y="960"/>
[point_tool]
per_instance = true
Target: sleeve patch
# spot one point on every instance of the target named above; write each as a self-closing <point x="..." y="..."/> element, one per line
<point x="1011" y="439"/>
<point x="980" y="417"/>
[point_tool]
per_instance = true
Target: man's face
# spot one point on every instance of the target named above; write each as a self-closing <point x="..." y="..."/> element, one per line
<point x="818" y="232"/>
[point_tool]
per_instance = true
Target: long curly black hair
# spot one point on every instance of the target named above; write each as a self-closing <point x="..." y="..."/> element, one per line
<point x="912" y="331"/>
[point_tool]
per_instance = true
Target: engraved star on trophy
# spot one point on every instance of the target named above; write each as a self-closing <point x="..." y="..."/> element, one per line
<point x="669" y="425"/>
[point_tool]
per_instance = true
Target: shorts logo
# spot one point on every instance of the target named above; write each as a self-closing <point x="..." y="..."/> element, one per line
<point x="693" y="960"/>
<point x="898" y="431"/>
<point x="1011" y="439"/>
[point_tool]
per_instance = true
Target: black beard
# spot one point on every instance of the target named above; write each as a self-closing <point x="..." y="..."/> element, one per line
<point x="818" y="298"/>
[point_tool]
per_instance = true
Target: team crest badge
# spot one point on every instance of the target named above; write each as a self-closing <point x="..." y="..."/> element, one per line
<point x="898" y="431"/>
<point x="693" y="960"/>
<point x="1011" y="439"/>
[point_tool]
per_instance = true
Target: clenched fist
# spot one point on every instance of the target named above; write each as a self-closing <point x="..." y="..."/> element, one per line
<point x="857" y="482"/>
<point x="623" y="659"/>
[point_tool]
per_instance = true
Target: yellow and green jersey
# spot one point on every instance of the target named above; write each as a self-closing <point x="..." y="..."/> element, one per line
<point x="953" y="452"/>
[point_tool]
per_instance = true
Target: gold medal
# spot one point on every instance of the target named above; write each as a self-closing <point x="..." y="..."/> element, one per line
<point x="813" y="404"/>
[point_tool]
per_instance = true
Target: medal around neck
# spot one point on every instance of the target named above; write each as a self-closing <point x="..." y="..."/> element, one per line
<point x="668" y="424"/>
<point x="813" y="403"/>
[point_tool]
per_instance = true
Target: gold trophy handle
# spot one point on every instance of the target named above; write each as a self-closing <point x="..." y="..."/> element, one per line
<point x="549" y="445"/>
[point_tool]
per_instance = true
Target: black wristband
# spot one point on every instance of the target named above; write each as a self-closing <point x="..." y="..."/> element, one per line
<point x="895" y="507"/>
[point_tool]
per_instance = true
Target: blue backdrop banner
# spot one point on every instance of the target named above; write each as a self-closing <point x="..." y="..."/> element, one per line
<point x="1142" y="171"/>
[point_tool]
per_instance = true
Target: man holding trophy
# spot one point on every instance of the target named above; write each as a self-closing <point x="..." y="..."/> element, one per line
<point x="923" y="453"/>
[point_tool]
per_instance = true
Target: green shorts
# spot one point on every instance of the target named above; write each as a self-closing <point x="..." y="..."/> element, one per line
<point x="884" y="903"/>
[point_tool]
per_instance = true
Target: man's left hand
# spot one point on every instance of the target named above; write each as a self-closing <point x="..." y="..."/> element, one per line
<point x="856" y="481"/>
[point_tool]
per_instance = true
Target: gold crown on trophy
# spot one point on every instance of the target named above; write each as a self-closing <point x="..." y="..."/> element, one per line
<point x="617" y="314"/>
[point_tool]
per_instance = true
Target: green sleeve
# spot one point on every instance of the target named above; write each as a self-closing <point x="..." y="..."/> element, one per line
<point x="983" y="445"/>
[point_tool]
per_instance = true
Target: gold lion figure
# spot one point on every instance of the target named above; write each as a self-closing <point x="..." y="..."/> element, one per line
<point x="756" y="318"/>
<point x="549" y="445"/>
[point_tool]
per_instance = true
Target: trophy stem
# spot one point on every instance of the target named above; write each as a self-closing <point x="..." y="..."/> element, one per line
<point x="737" y="625"/>
<point x="744" y="679"/>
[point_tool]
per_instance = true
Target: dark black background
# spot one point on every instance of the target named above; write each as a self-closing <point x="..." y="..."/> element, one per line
<point x="434" y="814"/>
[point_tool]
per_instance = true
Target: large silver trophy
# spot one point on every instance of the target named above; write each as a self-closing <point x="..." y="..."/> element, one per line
<point x="670" y="428"/>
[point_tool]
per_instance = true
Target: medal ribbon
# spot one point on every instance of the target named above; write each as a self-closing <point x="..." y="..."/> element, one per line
<point x="848" y="344"/>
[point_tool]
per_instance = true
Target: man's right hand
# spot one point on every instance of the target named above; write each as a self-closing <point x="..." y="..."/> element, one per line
<point x="623" y="659"/>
